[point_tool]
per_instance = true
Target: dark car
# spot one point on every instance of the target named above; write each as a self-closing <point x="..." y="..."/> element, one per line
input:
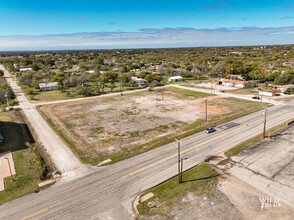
<point x="256" y="97"/>
<point x="209" y="130"/>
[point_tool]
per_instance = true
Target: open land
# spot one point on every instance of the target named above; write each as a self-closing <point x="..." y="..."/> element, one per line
<point x="120" y="126"/>
<point x="69" y="93"/>
<point x="29" y="165"/>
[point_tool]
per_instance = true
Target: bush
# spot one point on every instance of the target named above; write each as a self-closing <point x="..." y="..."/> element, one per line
<point x="29" y="91"/>
<point x="86" y="91"/>
<point x="250" y="84"/>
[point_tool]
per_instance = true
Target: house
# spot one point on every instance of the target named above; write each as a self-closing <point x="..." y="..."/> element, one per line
<point x="284" y="88"/>
<point x="77" y="69"/>
<point x="48" y="86"/>
<point x="25" y="69"/>
<point x="268" y="92"/>
<point x="175" y="79"/>
<point x="90" y="71"/>
<point x="233" y="83"/>
<point x="1" y="139"/>
<point x="140" y="82"/>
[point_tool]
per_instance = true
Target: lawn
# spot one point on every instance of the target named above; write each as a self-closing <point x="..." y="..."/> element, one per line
<point x="285" y="98"/>
<point x="243" y="91"/>
<point x="53" y="95"/>
<point x="70" y="93"/>
<point x="201" y="181"/>
<point x="119" y="127"/>
<point x="29" y="165"/>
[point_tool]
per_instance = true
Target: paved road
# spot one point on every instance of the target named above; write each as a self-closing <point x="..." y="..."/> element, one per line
<point x="228" y="94"/>
<point x="62" y="157"/>
<point x="269" y="166"/>
<point x="108" y="192"/>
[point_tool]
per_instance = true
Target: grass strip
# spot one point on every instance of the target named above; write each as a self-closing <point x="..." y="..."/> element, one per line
<point x="246" y="144"/>
<point x="200" y="180"/>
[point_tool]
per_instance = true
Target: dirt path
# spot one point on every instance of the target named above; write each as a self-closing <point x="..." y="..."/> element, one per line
<point x="92" y="97"/>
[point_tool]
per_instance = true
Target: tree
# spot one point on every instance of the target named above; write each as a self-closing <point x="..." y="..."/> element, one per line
<point x="1" y="72"/>
<point x="35" y="67"/>
<point x="285" y="78"/>
<point x="151" y="77"/>
<point x="123" y="79"/>
<point x="219" y="70"/>
<point x="108" y="77"/>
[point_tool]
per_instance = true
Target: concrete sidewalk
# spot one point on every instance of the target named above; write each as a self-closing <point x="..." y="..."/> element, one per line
<point x="4" y="168"/>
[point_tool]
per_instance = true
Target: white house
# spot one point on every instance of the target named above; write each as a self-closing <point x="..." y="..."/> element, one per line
<point x="175" y="79"/>
<point x="233" y="83"/>
<point x="25" y="69"/>
<point x="139" y="81"/>
<point x="90" y="71"/>
<point x="268" y="92"/>
<point x="48" y="86"/>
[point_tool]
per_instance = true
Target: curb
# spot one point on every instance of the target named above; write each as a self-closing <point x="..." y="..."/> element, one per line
<point x="135" y="203"/>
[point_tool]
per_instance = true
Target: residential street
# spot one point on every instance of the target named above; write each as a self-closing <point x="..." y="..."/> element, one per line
<point x="62" y="157"/>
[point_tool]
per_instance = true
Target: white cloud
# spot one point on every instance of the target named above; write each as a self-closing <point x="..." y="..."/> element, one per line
<point x="144" y="38"/>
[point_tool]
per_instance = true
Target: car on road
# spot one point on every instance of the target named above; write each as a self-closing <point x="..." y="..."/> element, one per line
<point x="209" y="130"/>
<point x="256" y="97"/>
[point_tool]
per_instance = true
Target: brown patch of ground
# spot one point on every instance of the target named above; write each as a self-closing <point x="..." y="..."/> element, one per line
<point x="246" y="199"/>
<point x="108" y="126"/>
<point x="212" y="109"/>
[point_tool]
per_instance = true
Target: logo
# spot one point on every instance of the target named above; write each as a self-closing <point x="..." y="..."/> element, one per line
<point x="269" y="202"/>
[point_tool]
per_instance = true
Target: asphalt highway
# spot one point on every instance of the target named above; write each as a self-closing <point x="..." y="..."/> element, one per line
<point x="107" y="192"/>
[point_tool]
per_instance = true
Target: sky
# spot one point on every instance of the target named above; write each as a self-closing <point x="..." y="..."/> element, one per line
<point x="63" y="24"/>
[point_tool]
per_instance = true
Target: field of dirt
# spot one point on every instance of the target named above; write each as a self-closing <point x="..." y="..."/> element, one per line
<point x="112" y="124"/>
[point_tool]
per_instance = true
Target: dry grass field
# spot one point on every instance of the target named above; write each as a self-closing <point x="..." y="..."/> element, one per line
<point x="121" y="126"/>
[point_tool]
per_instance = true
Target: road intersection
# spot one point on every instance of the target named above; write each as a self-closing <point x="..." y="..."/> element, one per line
<point x="107" y="192"/>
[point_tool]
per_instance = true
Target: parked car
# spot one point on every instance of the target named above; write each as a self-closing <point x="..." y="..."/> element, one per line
<point x="222" y="91"/>
<point x="286" y="93"/>
<point x="209" y="130"/>
<point x="256" y="97"/>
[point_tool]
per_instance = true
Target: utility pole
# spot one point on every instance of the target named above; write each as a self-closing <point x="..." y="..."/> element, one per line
<point x="264" y="124"/>
<point x="6" y="96"/>
<point x="206" y="111"/>
<point x="179" y="160"/>
<point x="9" y="169"/>
<point x="182" y="160"/>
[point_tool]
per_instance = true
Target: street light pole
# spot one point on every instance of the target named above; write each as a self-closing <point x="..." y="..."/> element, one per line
<point x="206" y="110"/>
<point x="9" y="169"/>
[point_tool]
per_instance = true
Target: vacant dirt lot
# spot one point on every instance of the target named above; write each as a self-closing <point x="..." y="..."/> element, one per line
<point x="108" y="126"/>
